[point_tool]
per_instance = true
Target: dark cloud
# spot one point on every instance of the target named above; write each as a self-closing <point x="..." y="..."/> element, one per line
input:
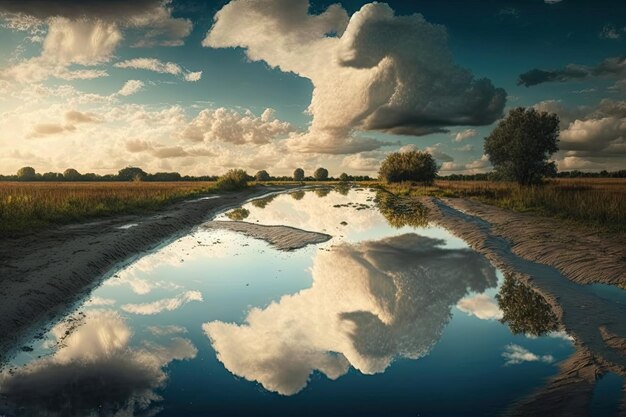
<point x="610" y="67"/>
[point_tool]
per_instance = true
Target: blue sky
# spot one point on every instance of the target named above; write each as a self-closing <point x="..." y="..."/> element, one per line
<point x="98" y="86"/>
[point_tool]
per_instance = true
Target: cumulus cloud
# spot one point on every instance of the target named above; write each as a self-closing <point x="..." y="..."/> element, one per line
<point x="465" y="134"/>
<point x="81" y="33"/>
<point x="363" y="161"/>
<point x="45" y="129"/>
<point x="226" y="125"/>
<point x="94" y="369"/>
<point x="154" y="16"/>
<point x="482" y="306"/>
<point x="361" y="81"/>
<point x="592" y="137"/>
<point x="369" y="303"/>
<point x="75" y="116"/>
<point x="614" y="67"/>
<point x="152" y="64"/>
<point x="516" y="354"/>
<point x="611" y="32"/>
<point x="166" y="304"/>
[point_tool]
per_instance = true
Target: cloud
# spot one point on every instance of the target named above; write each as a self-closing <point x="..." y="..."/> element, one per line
<point x="482" y="306"/>
<point x="465" y="134"/>
<point x="361" y="82"/>
<point x="552" y="1"/>
<point x="94" y="369"/>
<point x="516" y="354"/>
<point x="154" y="17"/>
<point x="130" y="87"/>
<point x="46" y="129"/>
<point x="473" y="167"/>
<point x="614" y="67"/>
<point x="99" y="301"/>
<point x="362" y="162"/>
<point x="611" y="32"/>
<point x="166" y="330"/>
<point x="166" y="304"/>
<point x="225" y="125"/>
<point x="75" y="117"/>
<point x="369" y="303"/>
<point x="592" y="137"/>
<point x="152" y="64"/>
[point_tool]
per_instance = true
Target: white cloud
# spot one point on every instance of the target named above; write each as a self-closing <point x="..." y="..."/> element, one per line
<point x="465" y="134"/>
<point x="361" y="81"/>
<point x="94" y="357"/>
<point x="131" y="87"/>
<point x="99" y="301"/>
<point x="166" y="304"/>
<point x="482" y="306"/>
<point x="152" y="64"/>
<point x="369" y="304"/>
<point x="234" y="127"/>
<point x="516" y="354"/>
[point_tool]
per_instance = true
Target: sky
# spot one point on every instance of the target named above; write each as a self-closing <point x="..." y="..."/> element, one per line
<point x="200" y="87"/>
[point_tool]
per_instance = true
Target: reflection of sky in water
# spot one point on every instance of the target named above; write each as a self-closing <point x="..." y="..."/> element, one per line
<point x="375" y="321"/>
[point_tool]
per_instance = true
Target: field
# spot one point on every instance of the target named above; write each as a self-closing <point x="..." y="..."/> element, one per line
<point x="32" y="205"/>
<point x="597" y="202"/>
<point x="26" y="206"/>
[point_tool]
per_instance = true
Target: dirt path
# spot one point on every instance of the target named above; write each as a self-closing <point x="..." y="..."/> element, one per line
<point x="45" y="273"/>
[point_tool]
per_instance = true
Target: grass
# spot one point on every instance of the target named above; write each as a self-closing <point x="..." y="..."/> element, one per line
<point x="598" y="202"/>
<point x="33" y="205"/>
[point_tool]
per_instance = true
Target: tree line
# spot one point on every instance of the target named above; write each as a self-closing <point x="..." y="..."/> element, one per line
<point x="137" y="174"/>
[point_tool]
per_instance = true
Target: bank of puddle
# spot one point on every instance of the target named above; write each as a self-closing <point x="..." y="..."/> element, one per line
<point x="389" y="317"/>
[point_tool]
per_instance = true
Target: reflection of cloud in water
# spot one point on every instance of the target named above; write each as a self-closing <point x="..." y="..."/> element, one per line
<point x="166" y="330"/>
<point x="94" y="372"/>
<point x="369" y="303"/>
<point x="482" y="306"/>
<point x="516" y="354"/>
<point x="166" y="304"/>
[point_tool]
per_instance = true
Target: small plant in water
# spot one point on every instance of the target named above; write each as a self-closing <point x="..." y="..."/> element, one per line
<point x="238" y="214"/>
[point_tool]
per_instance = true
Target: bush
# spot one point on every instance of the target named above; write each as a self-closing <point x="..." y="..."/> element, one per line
<point x="262" y="176"/>
<point x="408" y="166"/>
<point x="321" y="174"/>
<point x="298" y="174"/>
<point x="235" y="179"/>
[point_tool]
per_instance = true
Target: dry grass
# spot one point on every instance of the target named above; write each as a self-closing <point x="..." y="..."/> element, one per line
<point x="600" y="202"/>
<point x="32" y="205"/>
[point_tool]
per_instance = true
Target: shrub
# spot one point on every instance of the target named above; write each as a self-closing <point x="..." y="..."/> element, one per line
<point x="298" y="174"/>
<point x="235" y="179"/>
<point x="321" y="174"/>
<point x="408" y="166"/>
<point x="262" y="176"/>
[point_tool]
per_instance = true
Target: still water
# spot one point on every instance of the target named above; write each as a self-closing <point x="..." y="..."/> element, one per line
<point x="380" y="320"/>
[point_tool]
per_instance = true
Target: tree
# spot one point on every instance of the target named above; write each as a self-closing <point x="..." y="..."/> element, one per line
<point x="321" y="174"/>
<point x="519" y="147"/>
<point x="132" y="174"/>
<point x="298" y="174"/>
<point x="235" y="179"/>
<point x="26" y="174"/>
<point x="71" y="174"/>
<point x="408" y="166"/>
<point x="262" y="176"/>
<point x="344" y="177"/>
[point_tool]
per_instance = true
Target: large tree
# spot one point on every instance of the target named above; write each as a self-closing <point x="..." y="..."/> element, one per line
<point x="262" y="176"/>
<point x="26" y="174"/>
<point x="408" y="166"/>
<point x="321" y="174"/>
<point x="298" y="174"/>
<point x="71" y="174"/>
<point x="520" y="146"/>
<point x="132" y="174"/>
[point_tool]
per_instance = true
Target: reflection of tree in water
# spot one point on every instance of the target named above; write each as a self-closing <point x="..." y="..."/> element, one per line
<point x="400" y="212"/>
<point x="369" y="303"/>
<point x="343" y="188"/>
<point x="263" y="202"/>
<point x="297" y="195"/>
<point x="322" y="192"/>
<point x="524" y="309"/>
<point x="238" y="214"/>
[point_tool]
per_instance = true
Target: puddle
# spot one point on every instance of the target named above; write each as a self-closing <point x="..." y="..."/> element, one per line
<point x="388" y="317"/>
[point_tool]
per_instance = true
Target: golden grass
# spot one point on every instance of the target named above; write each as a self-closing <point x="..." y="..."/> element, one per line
<point x="32" y="205"/>
<point x="599" y="202"/>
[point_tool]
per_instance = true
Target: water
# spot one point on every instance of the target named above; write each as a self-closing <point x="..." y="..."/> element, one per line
<point x="377" y="321"/>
